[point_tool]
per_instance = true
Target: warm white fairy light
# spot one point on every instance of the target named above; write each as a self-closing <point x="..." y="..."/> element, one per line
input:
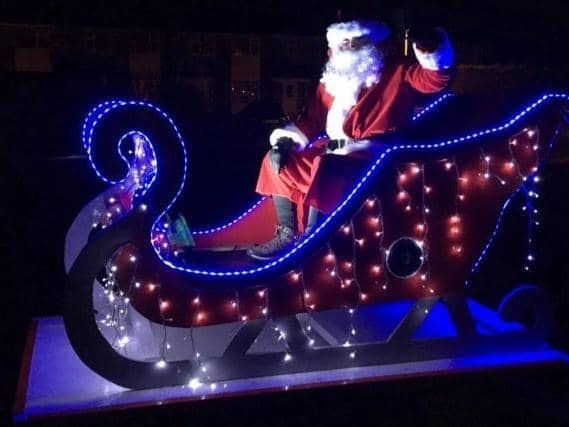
<point x="195" y="383"/>
<point x="454" y="228"/>
<point x="124" y="340"/>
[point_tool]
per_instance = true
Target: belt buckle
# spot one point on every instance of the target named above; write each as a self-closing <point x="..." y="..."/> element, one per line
<point x="334" y="144"/>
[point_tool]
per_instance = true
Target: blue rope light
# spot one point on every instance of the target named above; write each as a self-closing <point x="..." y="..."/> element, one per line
<point x="109" y="106"/>
<point x="431" y="106"/>
<point x="257" y="203"/>
<point x="497" y="227"/>
<point x="229" y="224"/>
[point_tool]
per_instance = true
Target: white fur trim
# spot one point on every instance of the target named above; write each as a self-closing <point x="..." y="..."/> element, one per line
<point x="335" y="119"/>
<point x="289" y="131"/>
<point x="440" y="59"/>
<point x="337" y="33"/>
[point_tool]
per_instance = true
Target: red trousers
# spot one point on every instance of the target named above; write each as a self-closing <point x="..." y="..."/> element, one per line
<point x="313" y="178"/>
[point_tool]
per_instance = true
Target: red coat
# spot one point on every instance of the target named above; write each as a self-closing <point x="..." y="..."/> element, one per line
<point x="322" y="181"/>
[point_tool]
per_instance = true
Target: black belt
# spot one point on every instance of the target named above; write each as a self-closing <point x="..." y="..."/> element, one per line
<point x="336" y="143"/>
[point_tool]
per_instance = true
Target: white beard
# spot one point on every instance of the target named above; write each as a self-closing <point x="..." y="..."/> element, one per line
<point x="345" y="74"/>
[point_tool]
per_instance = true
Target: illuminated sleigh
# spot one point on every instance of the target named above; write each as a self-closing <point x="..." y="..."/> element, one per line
<point x="412" y="231"/>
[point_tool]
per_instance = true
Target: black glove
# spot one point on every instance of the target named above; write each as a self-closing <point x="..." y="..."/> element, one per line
<point x="279" y="153"/>
<point x="427" y="39"/>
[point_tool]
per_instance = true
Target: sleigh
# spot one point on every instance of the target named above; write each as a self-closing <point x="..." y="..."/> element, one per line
<point x="143" y="311"/>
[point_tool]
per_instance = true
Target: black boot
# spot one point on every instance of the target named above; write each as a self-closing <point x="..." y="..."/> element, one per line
<point x="285" y="234"/>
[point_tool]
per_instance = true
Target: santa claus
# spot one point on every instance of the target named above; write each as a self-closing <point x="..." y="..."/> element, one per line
<point x="359" y="97"/>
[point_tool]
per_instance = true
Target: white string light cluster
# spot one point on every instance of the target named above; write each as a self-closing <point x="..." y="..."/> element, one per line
<point x="142" y="171"/>
<point x="118" y="300"/>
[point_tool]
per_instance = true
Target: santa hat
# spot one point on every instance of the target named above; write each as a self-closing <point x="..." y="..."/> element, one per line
<point x="336" y="33"/>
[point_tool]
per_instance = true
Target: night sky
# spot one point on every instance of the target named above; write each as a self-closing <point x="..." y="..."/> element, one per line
<point x="529" y="31"/>
<point x="516" y="25"/>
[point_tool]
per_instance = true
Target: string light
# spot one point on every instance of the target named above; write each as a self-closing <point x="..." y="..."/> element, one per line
<point x="455" y="228"/>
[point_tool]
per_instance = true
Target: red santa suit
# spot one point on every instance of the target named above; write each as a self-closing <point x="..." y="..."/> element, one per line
<point x="322" y="180"/>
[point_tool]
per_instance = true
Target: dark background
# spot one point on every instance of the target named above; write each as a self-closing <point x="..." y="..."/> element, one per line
<point x="43" y="188"/>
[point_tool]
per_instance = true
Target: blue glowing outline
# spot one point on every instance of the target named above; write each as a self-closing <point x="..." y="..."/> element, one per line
<point x="431" y="106"/>
<point x="307" y="238"/>
<point x="355" y="190"/>
<point x="495" y="231"/>
<point x="256" y="204"/>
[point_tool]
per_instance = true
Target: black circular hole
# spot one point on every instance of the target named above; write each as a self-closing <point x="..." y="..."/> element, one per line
<point x="404" y="257"/>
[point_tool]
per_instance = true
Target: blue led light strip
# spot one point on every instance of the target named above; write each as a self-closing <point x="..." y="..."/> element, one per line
<point x="257" y="203"/>
<point x="450" y="142"/>
<point x="431" y="106"/>
<point x="229" y="224"/>
<point x="296" y="250"/>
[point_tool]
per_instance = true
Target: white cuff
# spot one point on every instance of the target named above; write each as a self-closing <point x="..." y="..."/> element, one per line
<point x="440" y="59"/>
<point x="289" y="131"/>
<point x="353" y="146"/>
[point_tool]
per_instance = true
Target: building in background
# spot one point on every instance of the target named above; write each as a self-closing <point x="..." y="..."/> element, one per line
<point x="217" y="71"/>
<point x="220" y="72"/>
